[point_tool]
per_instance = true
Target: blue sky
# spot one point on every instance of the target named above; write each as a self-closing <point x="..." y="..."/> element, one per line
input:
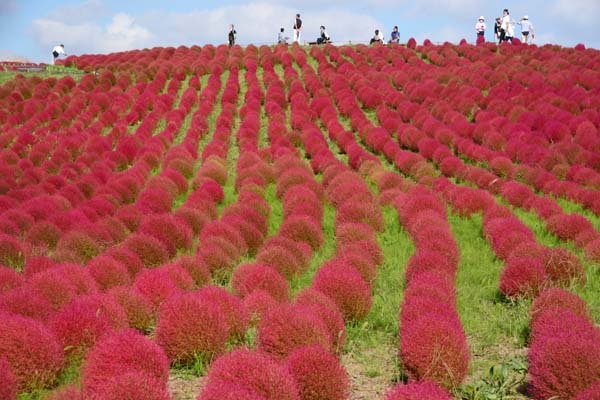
<point x="30" y="28"/>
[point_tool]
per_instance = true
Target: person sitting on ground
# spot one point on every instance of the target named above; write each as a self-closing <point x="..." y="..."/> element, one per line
<point x="281" y="38"/>
<point x="395" y="36"/>
<point x="57" y="51"/>
<point x="377" y="38"/>
<point x="527" y="34"/>
<point x="324" y="37"/>
<point x="480" y="28"/>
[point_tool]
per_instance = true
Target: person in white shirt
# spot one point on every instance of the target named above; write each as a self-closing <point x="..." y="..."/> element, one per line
<point x="504" y="26"/>
<point x="527" y="33"/>
<point x="57" y="51"/>
<point x="377" y="38"/>
<point x="281" y="38"/>
<point x="480" y="28"/>
<point x="323" y="36"/>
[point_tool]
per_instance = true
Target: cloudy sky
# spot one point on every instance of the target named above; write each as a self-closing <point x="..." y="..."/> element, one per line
<point x="30" y="28"/>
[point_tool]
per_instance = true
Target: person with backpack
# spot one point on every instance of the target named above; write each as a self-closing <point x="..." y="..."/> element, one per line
<point x="324" y="36"/>
<point x="297" y="28"/>
<point x="231" y="36"/>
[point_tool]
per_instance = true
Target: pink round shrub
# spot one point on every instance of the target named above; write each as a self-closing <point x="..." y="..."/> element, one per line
<point x="251" y="276"/>
<point x="108" y="272"/>
<point x="8" y="381"/>
<point x="190" y="326"/>
<point x="138" y="309"/>
<point x="133" y="385"/>
<point x="523" y="277"/>
<point x="318" y="374"/>
<point x="230" y="308"/>
<point x="346" y="287"/>
<point x="32" y="351"/>
<point x="251" y="375"/>
<point x="121" y="353"/>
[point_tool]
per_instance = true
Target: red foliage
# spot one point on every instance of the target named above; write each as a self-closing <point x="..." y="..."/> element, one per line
<point x="567" y="227"/>
<point x="32" y="351"/>
<point x="171" y="232"/>
<point x="9" y="279"/>
<point x="132" y="385"/>
<point x="8" y="381"/>
<point x="108" y="272"/>
<point x="248" y="375"/>
<point x="360" y="212"/>
<point x="318" y="374"/>
<point x="425" y="390"/>
<point x="138" y="309"/>
<point x="592" y="250"/>
<point x="524" y="276"/>
<point x="302" y="228"/>
<point x="248" y="278"/>
<point x="119" y="354"/>
<point x="26" y="302"/>
<point x="230" y="309"/>
<point x="591" y="393"/>
<point x="557" y="298"/>
<point x="158" y="284"/>
<point x="77" y="247"/>
<point x="435" y="347"/>
<point x="346" y="287"/>
<point x="82" y="322"/>
<point x="12" y="253"/>
<point x="425" y="261"/>
<point x="150" y="250"/>
<point x="562" y="266"/>
<point x="43" y="234"/>
<point x="191" y="326"/>
<point x="288" y="327"/>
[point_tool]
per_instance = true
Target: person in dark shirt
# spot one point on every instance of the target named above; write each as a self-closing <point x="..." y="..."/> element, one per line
<point x="395" y="36"/>
<point x="297" y="28"/>
<point x="232" y="35"/>
<point x="324" y="37"/>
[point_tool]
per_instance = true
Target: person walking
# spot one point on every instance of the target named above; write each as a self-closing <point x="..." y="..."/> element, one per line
<point x="324" y="36"/>
<point x="395" y="35"/>
<point x="297" y="28"/>
<point x="527" y="34"/>
<point x="480" y="29"/>
<point x="57" y="51"/>
<point x="232" y="35"/>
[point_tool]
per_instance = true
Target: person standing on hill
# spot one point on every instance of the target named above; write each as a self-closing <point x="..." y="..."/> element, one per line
<point x="497" y="28"/>
<point x="297" y="28"/>
<point x="527" y="34"/>
<point x="480" y="29"/>
<point x="57" y="51"/>
<point x="504" y="26"/>
<point x="231" y="36"/>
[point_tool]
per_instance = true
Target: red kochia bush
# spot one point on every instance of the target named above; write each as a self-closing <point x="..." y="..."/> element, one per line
<point x="524" y="276"/>
<point x="564" y="360"/>
<point x="158" y="284"/>
<point x="346" y="287"/>
<point x="32" y="351"/>
<point x="591" y="393"/>
<point x="133" y="385"/>
<point x="12" y="253"/>
<point x="435" y="347"/>
<point x="172" y="233"/>
<point x="425" y="390"/>
<point x="557" y="298"/>
<point x="252" y="276"/>
<point x="190" y="326"/>
<point x="8" y="381"/>
<point x="80" y="323"/>
<point x="138" y="309"/>
<point x="149" y="249"/>
<point x="302" y="228"/>
<point x="562" y="266"/>
<point x="249" y="373"/>
<point x="121" y="353"/>
<point x="108" y="272"/>
<point x="24" y="301"/>
<point x="9" y="279"/>
<point x="230" y="309"/>
<point x="288" y="327"/>
<point x="318" y="373"/>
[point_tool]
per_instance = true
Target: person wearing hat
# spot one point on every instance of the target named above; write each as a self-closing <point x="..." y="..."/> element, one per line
<point x="526" y="30"/>
<point x="480" y="29"/>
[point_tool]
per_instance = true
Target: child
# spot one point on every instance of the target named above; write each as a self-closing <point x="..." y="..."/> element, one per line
<point x="480" y="28"/>
<point x="281" y="38"/>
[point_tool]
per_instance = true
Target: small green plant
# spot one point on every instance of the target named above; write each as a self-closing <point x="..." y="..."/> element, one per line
<point x="501" y="382"/>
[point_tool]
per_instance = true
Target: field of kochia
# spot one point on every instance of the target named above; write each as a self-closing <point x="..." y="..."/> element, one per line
<point x="416" y="222"/>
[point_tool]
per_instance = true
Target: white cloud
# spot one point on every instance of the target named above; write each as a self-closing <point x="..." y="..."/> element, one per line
<point x="579" y="13"/>
<point x="122" y="33"/>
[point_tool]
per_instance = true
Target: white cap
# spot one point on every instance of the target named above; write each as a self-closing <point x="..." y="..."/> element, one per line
<point x="481" y="18"/>
<point x="525" y="17"/>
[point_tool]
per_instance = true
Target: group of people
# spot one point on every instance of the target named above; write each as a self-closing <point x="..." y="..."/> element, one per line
<point x="504" y="28"/>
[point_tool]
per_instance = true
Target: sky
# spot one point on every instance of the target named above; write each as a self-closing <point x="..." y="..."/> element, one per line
<point x="30" y="28"/>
